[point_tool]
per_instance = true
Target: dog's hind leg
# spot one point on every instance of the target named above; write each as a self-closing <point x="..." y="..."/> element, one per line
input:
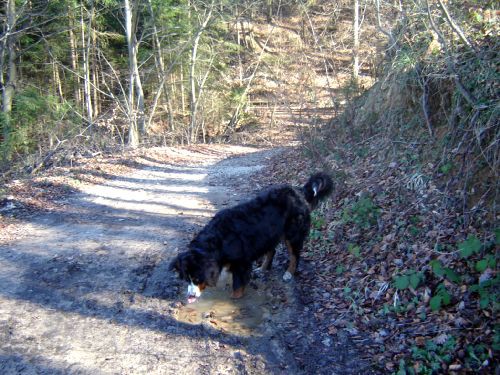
<point x="268" y="260"/>
<point x="294" y="252"/>
<point x="241" y="277"/>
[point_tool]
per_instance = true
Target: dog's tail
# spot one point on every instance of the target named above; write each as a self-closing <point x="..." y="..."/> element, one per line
<point x="319" y="186"/>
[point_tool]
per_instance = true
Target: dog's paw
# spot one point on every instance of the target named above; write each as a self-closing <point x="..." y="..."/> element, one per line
<point x="258" y="272"/>
<point x="238" y="293"/>
<point x="287" y="276"/>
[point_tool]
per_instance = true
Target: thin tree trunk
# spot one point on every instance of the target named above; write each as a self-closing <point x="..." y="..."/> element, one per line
<point x="240" y="28"/>
<point x="141" y="118"/>
<point x="6" y="118"/>
<point x="200" y="94"/>
<point x="269" y="10"/>
<point x="95" y="74"/>
<point x="137" y="117"/>
<point x="3" y="47"/>
<point x="236" y="114"/>
<point x="74" y="56"/>
<point x="10" y="50"/>
<point x="57" y="79"/>
<point x="355" y="48"/>
<point x="133" y="134"/>
<point x="161" y="76"/>
<point x="193" y="101"/>
<point x="85" y="61"/>
<point x="183" y="95"/>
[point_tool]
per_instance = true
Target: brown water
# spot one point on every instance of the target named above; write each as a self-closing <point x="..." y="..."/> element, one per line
<point x="215" y="306"/>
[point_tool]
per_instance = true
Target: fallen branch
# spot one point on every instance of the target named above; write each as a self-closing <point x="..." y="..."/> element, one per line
<point x="47" y="158"/>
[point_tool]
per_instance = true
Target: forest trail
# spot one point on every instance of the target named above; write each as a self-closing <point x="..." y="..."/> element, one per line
<point x="86" y="289"/>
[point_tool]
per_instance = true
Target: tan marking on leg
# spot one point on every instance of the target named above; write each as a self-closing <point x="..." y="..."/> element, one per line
<point x="238" y="293"/>
<point x="267" y="260"/>
<point x="292" y="265"/>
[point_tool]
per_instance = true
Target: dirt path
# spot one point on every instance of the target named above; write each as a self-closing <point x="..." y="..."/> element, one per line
<point x="87" y="290"/>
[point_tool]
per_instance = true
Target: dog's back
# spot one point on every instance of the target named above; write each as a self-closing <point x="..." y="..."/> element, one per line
<point x="237" y="236"/>
<point x="250" y="229"/>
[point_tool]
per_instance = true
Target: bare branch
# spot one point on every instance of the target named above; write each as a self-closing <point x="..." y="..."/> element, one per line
<point x="451" y="65"/>
<point x="454" y="26"/>
<point x="379" y="25"/>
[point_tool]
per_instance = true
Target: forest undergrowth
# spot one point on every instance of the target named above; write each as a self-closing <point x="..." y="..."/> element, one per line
<point x="399" y="269"/>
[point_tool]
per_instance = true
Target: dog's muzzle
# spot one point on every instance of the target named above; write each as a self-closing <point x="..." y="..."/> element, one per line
<point x="193" y="292"/>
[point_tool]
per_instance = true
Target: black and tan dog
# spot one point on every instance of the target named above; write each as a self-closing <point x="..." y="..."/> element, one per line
<point x="237" y="236"/>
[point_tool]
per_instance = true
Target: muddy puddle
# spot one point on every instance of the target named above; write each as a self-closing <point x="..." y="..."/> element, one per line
<point x="215" y="307"/>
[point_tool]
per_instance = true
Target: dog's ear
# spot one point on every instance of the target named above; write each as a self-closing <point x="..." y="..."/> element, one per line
<point x="175" y="264"/>
<point x="212" y="272"/>
<point x="178" y="265"/>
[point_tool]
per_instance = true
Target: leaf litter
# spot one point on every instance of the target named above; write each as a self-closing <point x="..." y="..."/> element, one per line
<point x="394" y="266"/>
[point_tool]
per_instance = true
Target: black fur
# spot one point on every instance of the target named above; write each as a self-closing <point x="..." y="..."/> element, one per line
<point x="237" y="236"/>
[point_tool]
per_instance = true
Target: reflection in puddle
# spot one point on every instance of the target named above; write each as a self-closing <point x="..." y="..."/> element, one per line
<point x="215" y="307"/>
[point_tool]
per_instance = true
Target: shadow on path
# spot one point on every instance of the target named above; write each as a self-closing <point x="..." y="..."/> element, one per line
<point x="90" y="283"/>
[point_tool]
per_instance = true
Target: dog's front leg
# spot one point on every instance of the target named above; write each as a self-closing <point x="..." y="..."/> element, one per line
<point x="294" y="253"/>
<point x="241" y="277"/>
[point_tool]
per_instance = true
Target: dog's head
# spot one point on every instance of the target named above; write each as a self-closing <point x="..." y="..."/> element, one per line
<point x="198" y="269"/>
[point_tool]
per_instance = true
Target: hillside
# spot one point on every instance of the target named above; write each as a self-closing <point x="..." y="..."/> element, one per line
<point x="407" y="255"/>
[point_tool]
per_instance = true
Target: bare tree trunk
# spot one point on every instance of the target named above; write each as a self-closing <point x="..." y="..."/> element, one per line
<point x="192" y="85"/>
<point x="193" y="99"/>
<point x="74" y="56"/>
<point x="240" y="28"/>
<point x="3" y="47"/>
<point x="236" y="114"/>
<point x="136" y="94"/>
<point x="183" y="95"/>
<point x="355" y="48"/>
<point x="269" y="10"/>
<point x="161" y="76"/>
<point x="9" y="84"/>
<point x="200" y="93"/>
<point x="133" y="133"/>
<point x="141" y="118"/>
<point x="86" y="65"/>
<point x="95" y="74"/>
<point x="57" y="79"/>
<point x="8" y="47"/>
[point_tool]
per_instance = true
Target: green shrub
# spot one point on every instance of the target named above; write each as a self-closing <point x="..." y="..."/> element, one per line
<point x="410" y="278"/>
<point x="470" y="246"/>
<point x="33" y="119"/>
<point x="431" y="357"/>
<point x="488" y="292"/>
<point x="363" y="213"/>
<point x="441" y="297"/>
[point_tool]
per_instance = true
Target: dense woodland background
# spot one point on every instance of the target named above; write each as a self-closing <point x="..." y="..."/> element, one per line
<point x="413" y="83"/>
<point x="135" y="72"/>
